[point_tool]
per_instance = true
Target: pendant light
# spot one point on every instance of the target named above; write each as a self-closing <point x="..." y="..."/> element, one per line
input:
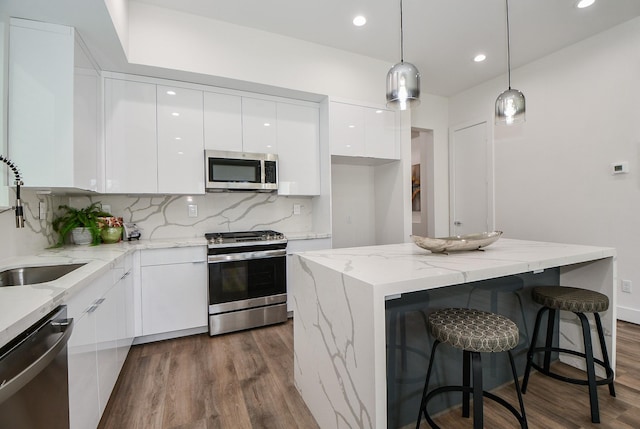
<point x="510" y="105"/>
<point x="403" y="80"/>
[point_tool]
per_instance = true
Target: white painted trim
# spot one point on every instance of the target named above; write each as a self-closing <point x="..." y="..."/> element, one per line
<point x="629" y="314"/>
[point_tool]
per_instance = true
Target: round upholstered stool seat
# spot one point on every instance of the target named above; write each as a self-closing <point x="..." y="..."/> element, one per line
<point x="474" y="330"/>
<point x="570" y="299"/>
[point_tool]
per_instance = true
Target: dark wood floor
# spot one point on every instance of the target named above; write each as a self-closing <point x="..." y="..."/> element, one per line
<point x="245" y="380"/>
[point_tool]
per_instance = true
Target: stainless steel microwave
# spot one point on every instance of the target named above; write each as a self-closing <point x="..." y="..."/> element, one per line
<point x="240" y="171"/>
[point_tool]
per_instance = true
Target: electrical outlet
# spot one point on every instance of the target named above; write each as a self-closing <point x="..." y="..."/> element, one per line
<point x="106" y="208"/>
<point x="626" y="286"/>
<point x="296" y="209"/>
<point x="42" y="210"/>
<point x="193" y="210"/>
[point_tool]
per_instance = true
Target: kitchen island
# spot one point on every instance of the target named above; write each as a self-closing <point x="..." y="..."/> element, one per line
<point x="340" y="316"/>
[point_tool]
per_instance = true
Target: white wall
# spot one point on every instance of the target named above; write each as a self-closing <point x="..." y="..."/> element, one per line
<point x="164" y="38"/>
<point x="552" y="174"/>
<point x="353" y="205"/>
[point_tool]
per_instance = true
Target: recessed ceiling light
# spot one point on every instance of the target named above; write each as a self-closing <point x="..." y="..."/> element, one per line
<point x="352" y="126"/>
<point x="359" y="21"/>
<point x="171" y="92"/>
<point x="378" y="111"/>
<point x="479" y="58"/>
<point x="175" y="114"/>
<point x="585" y="3"/>
<point x="267" y="124"/>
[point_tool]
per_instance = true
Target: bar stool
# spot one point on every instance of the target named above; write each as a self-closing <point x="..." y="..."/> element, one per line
<point x="474" y="332"/>
<point x="579" y="301"/>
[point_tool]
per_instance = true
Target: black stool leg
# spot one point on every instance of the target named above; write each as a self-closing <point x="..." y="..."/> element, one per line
<point x="534" y="339"/>
<point x="466" y="382"/>
<point x="551" y="321"/>
<point x="478" y="416"/>
<point x="605" y="355"/>
<point x="523" y="419"/>
<point x="426" y="384"/>
<point x="591" y="372"/>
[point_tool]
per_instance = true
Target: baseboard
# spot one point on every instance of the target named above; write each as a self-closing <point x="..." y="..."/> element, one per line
<point x="169" y="335"/>
<point x="629" y="314"/>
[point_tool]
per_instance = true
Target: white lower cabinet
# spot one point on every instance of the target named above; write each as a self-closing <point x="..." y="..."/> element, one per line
<point x="102" y="335"/>
<point x="174" y="289"/>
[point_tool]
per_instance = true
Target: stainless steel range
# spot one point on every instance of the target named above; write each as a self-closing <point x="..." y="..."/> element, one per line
<point x="247" y="280"/>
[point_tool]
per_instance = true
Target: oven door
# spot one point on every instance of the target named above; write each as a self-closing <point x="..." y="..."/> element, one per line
<point x="246" y="280"/>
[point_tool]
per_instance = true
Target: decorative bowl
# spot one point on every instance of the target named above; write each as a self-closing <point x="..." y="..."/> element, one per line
<point x="457" y="243"/>
<point x="111" y="234"/>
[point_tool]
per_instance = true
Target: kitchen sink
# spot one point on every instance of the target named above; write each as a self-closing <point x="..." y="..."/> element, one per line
<point x="33" y="275"/>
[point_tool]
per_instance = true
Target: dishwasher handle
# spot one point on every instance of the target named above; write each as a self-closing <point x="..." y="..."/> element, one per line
<point x="9" y="388"/>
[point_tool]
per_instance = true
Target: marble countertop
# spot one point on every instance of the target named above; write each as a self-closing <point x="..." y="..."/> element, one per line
<point x="22" y="306"/>
<point x="396" y="266"/>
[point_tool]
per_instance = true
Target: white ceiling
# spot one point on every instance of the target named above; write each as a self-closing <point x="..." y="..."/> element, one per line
<point x="441" y="36"/>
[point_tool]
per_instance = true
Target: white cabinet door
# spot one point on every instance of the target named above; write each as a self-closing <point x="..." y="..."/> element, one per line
<point x="347" y="129"/>
<point x="40" y="106"/>
<point x="174" y="295"/>
<point x="106" y="317"/>
<point x="380" y="134"/>
<point x="222" y="122"/>
<point x="87" y="163"/>
<point x="180" y="141"/>
<point x="298" y="150"/>
<point x="131" y="149"/>
<point x="259" y="128"/>
<point x="84" y="412"/>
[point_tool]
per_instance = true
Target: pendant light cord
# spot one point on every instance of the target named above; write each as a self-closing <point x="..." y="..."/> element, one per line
<point x="508" y="44"/>
<point x="401" y="36"/>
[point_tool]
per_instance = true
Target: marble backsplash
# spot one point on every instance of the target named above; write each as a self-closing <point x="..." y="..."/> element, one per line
<point x="37" y="233"/>
<point x="167" y="216"/>
<point x="158" y="216"/>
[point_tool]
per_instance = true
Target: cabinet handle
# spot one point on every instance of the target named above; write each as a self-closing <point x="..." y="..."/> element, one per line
<point x="92" y="308"/>
<point x="100" y="301"/>
<point x="125" y="275"/>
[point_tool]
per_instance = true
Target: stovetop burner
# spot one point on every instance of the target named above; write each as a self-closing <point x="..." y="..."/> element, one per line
<point x="246" y="238"/>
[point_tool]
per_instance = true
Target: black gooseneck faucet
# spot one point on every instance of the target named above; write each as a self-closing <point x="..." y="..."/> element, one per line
<point x="18" y="182"/>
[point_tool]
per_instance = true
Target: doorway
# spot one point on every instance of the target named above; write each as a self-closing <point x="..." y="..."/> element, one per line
<point x="422" y="183"/>
<point x="471" y="179"/>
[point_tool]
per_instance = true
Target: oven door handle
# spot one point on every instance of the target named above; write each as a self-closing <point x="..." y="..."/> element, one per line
<point x="232" y="257"/>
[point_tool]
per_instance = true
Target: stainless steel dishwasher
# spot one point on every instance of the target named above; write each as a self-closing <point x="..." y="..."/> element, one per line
<point x="34" y="388"/>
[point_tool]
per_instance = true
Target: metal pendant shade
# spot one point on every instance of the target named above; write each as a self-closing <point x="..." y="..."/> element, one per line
<point x="510" y="105"/>
<point x="403" y="80"/>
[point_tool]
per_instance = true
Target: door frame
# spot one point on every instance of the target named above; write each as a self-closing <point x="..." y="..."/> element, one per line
<point x="489" y="174"/>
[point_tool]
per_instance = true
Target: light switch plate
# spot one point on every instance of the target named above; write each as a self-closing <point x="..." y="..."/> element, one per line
<point x="192" y="210"/>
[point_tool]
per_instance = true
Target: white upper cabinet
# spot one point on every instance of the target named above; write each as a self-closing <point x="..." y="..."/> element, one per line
<point x="298" y="149"/>
<point x="53" y="107"/>
<point x="180" y="141"/>
<point x="380" y="134"/>
<point x="363" y="131"/>
<point x="239" y="124"/>
<point x="222" y="122"/>
<point x="131" y="149"/>
<point x="347" y="129"/>
<point x="259" y="129"/>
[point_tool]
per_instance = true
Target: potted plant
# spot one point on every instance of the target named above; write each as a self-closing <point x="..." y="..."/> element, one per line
<point x="84" y="221"/>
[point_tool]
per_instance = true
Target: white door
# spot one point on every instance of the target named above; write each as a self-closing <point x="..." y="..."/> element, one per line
<point x="471" y="206"/>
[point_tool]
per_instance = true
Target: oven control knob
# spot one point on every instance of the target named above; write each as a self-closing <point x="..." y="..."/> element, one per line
<point x="280" y="236"/>
<point x="218" y="240"/>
